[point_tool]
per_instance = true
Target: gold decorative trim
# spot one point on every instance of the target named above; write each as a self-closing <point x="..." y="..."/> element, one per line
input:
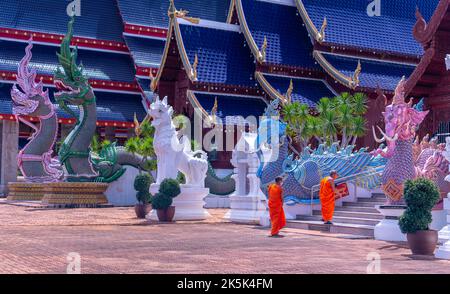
<point x="319" y="36"/>
<point x="247" y="34"/>
<point x="289" y="92"/>
<point x="350" y="82"/>
<point x="230" y="11"/>
<point x="174" y="29"/>
<point x="267" y="87"/>
<point x="198" y="107"/>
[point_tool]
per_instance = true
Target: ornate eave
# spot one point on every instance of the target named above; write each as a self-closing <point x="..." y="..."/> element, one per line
<point x="318" y="35"/>
<point x="231" y="10"/>
<point x="174" y="33"/>
<point x="197" y="106"/>
<point x="423" y="31"/>
<point x="267" y="87"/>
<point x="257" y="53"/>
<point x="350" y="82"/>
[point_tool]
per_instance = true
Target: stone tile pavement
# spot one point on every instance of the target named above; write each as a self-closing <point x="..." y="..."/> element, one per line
<point x="112" y="240"/>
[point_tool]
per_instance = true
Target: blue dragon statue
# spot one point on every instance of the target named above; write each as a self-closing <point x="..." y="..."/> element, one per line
<point x="301" y="174"/>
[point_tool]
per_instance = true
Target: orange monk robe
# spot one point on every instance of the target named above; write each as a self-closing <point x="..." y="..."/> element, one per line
<point x="276" y="208"/>
<point x="327" y="199"/>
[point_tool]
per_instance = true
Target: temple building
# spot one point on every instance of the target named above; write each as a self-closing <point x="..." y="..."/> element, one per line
<point x="237" y="55"/>
<point x="430" y="78"/>
<point x="301" y="50"/>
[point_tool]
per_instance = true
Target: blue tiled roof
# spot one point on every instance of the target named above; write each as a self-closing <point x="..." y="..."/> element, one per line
<point x="98" y="65"/>
<point x="349" y="24"/>
<point x="288" y="41"/>
<point x="145" y="52"/>
<point x="110" y="106"/>
<point x="232" y="105"/>
<point x="153" y="13"/>
<point x="305" y="91"/>
<point x="145" y="85"/>
<point x="222" y="57"/>
<point x="100" y="19"/>
<point x="374" y="73"/>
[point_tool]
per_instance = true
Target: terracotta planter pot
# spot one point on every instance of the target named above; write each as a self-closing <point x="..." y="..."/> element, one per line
<point x="142" y="210"/>
<point x="423" y="242"/>
<point x="166" y="215"/>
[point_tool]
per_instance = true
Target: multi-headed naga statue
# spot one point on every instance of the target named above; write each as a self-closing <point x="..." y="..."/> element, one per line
<point x="401" y="122"/>
<point x="74" y="89"/>
<point x="35" y="159"/>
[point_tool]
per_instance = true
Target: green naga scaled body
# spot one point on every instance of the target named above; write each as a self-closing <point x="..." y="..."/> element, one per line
<point x="74" y="89"/>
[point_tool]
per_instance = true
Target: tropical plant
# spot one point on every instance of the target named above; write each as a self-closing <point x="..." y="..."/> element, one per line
<point x="421" y="195"/>
<point x="339" y="117"/>
<point x="142" y="186"/>
<point x="142" y="144"/>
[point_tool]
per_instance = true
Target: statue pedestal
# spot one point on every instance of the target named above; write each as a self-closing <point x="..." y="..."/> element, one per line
<point x="246" y="209"/>
<point x="121" y="192"/>
<point x="25" y="191"/>
<point x="188" y="205"/>
<point x="444" y="233"/>
<point x="69" y="194"/>
<point x="388" y="228"/>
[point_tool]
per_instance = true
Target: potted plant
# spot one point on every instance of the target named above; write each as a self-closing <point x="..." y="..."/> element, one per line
<point x="162" y="201"/>
<point x="142" y="186"/>
<point x="421" y="195"/>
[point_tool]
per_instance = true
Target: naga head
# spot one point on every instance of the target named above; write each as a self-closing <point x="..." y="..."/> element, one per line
<point x="271" y="128"/>
<point x="30" y="98"/>
<point x="401" y="120"/>
<point x="161" y="112"/>
<point x="73" y="87"/>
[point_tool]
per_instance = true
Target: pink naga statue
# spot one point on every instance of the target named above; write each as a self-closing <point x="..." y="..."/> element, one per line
<point x="35" y="159"/>
<point x="409" y="158"/>
<point x="401" y="122"/>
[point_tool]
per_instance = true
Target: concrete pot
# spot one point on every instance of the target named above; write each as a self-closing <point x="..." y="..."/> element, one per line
<point x="423" y="242"/>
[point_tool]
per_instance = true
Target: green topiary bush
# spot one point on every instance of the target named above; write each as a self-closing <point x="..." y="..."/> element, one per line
<point x="142" y="186"/>
<point x="170" y="188"/>
<point x="421" y="195"/>
<point x="161" y="201"/>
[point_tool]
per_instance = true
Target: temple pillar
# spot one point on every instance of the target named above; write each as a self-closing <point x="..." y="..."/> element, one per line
<point x="110" y="133"/>
<point x="9" y="149"/>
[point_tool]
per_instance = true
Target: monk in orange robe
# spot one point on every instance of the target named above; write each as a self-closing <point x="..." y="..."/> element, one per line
<point x="327" y="195"/>
<point x="276" y="207"/>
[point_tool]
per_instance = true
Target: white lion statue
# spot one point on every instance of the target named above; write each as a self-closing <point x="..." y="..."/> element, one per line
<point x="175" y="154"/>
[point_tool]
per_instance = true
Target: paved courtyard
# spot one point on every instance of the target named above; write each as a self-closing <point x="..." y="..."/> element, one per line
<point x="112" y="240"/>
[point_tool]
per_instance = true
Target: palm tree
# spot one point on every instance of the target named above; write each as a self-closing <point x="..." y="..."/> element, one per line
<point x="359" y="104"/>
<point x="358" y="128"/>
<point x="345" y="119"/>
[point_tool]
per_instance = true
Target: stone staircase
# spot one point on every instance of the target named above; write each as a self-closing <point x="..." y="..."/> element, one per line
<point x="354" y="218"/>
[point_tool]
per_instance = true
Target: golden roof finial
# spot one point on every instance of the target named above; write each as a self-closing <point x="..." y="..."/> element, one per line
<point x="173" y="12"/>
<point x="321" y="34"/>
<point x="213" y="116"/>
<point x="289" y="92"/>
<point x="194" y="68"/>
<point x="263" y="51"/>
<point x="355" y="78"/>
<point x="137" y="126"/>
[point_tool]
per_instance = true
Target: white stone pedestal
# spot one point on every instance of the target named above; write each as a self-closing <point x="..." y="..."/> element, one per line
<point x="444" y="233"/>
<point x="388" y="229"/>
<point x="121" y="192"/>
<point x="246" y="209"/>
<point x="188" y="205"/>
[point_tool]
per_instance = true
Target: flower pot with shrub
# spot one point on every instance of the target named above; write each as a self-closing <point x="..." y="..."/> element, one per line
<point x="421" y="195"/>
<point x="142" y="185"/>
<point x="162" y="201"/>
